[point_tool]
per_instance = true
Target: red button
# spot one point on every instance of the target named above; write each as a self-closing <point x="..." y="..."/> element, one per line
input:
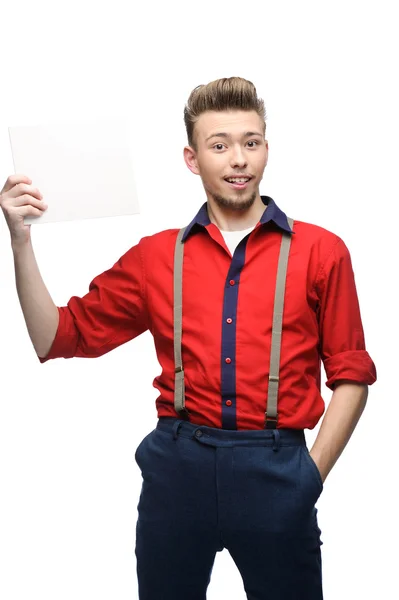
<point x="228" y="360"/>
<point x="228" y="403"/>
<point x="229" y="321"/>
<point x="232" y="282"/>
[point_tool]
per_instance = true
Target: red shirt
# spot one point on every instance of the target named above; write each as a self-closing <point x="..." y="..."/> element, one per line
<point x="227" y="319"/>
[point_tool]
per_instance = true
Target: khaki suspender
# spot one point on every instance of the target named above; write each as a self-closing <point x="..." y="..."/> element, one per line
<point x="271" y="414"/>
<point x="177" y="325"/>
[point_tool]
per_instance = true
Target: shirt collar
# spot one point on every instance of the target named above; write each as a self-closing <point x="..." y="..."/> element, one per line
<point x="271" y="213"/>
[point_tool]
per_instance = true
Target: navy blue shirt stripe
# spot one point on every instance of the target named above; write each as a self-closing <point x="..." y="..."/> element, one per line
<point x="229" y="330"/>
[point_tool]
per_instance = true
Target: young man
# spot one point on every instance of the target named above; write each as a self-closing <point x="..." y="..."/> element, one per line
<point x="241" y="324"/>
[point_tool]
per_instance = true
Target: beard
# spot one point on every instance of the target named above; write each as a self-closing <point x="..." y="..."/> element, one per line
<point x="237" y="204"/>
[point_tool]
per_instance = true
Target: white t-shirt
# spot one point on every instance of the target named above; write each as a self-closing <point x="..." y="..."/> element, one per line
<point x="233" y="238"/>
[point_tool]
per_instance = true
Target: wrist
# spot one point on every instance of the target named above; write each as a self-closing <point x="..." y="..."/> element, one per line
<point x="321" y="464"/>
<point x="18" y="245"/>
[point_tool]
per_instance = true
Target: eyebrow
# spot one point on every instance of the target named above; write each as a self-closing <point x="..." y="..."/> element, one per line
<point x="226" y="135"/>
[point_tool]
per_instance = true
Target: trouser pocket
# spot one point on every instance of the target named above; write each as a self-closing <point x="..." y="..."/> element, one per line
<point x="313" y="469"/>
<point x="140" y="448"/>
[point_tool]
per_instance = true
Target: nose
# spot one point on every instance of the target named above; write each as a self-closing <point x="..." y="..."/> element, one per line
<point x="238" y="158"/>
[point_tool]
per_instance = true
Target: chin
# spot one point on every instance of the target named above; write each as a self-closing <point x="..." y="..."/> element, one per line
<point x="235" y="201"/>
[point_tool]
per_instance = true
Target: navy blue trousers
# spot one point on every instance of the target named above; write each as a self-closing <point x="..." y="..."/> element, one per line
<point x="206" y="489"/>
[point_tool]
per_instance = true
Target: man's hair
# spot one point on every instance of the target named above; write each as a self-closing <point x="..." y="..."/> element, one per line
<point x="231" y="93"/>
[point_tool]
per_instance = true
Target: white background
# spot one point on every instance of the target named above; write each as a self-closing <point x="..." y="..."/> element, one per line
<point x="69" y="428"/>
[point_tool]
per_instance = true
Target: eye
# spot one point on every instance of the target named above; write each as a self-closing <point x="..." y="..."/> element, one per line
<point x="253" y="142"/>
<point x="218" y="146"/>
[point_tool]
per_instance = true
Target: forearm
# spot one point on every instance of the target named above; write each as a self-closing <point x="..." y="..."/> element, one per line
<point x="40" y="312"/>
<point x="343" y="413"/>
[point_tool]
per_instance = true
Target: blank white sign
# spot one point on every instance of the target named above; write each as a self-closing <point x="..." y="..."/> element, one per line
<point x="83" y="170"/>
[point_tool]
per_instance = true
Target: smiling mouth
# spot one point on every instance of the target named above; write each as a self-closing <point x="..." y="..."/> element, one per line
<point x="238" y="183"/>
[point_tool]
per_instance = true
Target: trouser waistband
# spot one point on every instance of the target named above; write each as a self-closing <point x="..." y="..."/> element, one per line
<point x="227" y="437"/>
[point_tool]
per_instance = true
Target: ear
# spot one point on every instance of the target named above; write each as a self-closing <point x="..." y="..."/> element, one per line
<point x="190" y="158"/>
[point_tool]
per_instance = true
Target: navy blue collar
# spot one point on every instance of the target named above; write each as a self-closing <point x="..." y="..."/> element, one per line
<point x="272" y="213"/>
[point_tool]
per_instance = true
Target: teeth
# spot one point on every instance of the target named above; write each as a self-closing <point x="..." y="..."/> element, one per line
<point x="238" y="180"/>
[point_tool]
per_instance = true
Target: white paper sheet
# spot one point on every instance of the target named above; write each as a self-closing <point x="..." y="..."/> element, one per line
<point x="83" y="170"/>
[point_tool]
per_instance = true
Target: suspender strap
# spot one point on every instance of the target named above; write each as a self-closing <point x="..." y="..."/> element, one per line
<point x="271" y="415"/>
<point x="178" y="317"/>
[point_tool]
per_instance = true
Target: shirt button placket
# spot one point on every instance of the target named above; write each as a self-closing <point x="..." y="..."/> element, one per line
<point x="228" y="404"/>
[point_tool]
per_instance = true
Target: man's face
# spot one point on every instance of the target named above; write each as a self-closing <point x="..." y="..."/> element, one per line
<point x="229" y="144"/>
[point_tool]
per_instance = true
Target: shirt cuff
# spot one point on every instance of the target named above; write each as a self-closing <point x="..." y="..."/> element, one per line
<point x="352" y="365"/>
<point x="65" y="341"/>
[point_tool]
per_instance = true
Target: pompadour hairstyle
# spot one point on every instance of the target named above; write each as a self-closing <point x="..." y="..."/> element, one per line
<point x="232" y="93"/>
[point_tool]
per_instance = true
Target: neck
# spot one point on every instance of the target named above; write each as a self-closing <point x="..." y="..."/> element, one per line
<point x="235" y="220"/>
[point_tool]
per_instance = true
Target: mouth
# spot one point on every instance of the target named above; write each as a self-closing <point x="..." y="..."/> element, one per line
<point x="238" y="183"/>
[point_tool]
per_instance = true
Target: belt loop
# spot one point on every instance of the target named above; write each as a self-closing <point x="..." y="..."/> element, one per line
<point x="276" y="440"/>
<point x="176" y="427"/>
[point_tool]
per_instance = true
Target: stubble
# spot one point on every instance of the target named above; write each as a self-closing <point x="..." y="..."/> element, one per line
<point x="236" y="204"/>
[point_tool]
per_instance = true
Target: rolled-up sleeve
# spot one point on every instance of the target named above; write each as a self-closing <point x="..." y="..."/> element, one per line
<point x="113" y="312"/>
<point x="342" y="342"/>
